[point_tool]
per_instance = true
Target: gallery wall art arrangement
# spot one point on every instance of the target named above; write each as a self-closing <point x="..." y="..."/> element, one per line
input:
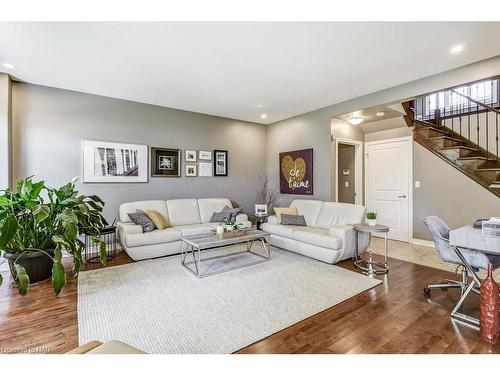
<point x="296" y="172"/>
<point x="105" y="161"/>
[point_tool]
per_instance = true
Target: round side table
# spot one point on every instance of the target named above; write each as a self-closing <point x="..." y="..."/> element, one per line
<point x="370" y="266"/>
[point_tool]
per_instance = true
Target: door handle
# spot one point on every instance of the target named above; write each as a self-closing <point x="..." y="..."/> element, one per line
<point x="402" y="196"/>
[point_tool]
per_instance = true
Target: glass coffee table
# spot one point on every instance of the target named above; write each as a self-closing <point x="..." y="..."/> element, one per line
<point x="225" y="260"/>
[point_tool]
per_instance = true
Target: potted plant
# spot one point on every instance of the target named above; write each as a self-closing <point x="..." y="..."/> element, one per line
<point x="230" y="224"/>
<point x="33" y="232"/>
<point x="371" y="218"/>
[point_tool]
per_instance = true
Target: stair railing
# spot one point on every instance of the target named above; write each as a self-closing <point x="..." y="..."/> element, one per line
<point x="486" y="111"/>
<point x="438" y="110"/>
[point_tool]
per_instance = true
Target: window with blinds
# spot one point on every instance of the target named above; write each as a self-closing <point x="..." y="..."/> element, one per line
<point x="450" y="103"/>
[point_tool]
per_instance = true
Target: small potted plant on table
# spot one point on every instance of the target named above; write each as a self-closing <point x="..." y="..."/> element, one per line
<point x="34" y="232"/>
<point x="371" y="218"/>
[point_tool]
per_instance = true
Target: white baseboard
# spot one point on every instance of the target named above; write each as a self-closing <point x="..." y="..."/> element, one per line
<point x="417" y="241"/>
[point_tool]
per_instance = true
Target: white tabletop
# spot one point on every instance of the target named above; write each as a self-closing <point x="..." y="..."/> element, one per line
<point x="471" y="238"/>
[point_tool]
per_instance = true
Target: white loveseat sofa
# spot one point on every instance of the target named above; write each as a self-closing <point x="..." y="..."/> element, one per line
<point x="329" y="235"/>
<point x="186" y="217"/>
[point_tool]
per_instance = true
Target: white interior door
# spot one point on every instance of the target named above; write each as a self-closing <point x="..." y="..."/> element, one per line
<point x="387" y="182"/>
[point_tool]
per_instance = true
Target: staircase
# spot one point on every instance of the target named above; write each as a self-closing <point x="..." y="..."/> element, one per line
<point x="461" y="126"/>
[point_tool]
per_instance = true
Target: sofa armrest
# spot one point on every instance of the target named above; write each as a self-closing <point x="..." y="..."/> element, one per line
<point x="125" y="229"/>
<point x="272" y="219"/>
<point x="348" y="236"/>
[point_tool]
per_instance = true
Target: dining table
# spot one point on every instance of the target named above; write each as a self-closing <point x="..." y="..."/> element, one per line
<point x="469" y="237"/>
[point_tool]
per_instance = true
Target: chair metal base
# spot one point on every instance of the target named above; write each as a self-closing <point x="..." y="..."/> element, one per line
<point x="466" y="288"/>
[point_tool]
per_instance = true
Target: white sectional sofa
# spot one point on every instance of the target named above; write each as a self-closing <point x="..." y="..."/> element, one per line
<point x="186" y="217"/>
<point x="329" y="235"/>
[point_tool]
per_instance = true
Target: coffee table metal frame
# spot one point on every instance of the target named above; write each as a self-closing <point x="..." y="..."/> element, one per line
<point x="192" y="246"/>
<point x="370" y="266"/>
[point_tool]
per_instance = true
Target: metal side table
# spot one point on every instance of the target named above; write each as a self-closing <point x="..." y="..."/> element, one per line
<point x="369" y="266"/>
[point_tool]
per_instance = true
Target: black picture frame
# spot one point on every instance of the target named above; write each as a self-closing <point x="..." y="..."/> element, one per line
<point x="165" y="162"/>
<point x="220" y="156"/>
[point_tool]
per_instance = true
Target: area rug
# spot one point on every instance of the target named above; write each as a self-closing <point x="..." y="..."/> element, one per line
<point x="160" y="307"/>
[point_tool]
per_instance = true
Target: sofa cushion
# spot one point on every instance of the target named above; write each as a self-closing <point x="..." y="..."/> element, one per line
<point x="284" y="210"/>
<point x="336" y="214"/>
<point x="317" y="237"/>
<point x="208" y="206"/>
<point x="158" y="219"/>
<point x="195" y="229"/>
<point x="293" y="220"/>
<point x="219" y="216"/>
<point x="232" y="211"/>
<point x="309" y="208"/>
<point x="125" y="208"/>
<point x="279" y="229"/>
<point x="155" y="237"/>
<point x="183" y="212"/>
<point x="139" y="217"/>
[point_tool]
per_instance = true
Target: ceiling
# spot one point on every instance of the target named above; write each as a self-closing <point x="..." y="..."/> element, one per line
<point x="238" y="70"/>
<point x="370" y="114"/>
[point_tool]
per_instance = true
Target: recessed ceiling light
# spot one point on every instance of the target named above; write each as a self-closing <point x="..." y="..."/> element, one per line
<point x="457" y="49"/>
<point x="9" y="66"/>
<point x="263" y="116"/>
<point x="380" y="114"/>
<point x="355" y="120"/>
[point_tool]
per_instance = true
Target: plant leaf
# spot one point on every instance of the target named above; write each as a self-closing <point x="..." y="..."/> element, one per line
<point x="41" y="212"/>
<point x="8" y="231"/>
<point x="22" y="279"/>
<point x="58" y="276"/>
<point x="102" y="252"/>
<point x="1" y="279"/>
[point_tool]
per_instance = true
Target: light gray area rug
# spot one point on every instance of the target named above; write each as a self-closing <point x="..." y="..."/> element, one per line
<point x="160" y="307"/>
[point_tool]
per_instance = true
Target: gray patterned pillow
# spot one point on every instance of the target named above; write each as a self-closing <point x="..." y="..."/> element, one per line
<point x="233" y="211"/>
<point x="218" y="216"/>
<point x="293" y="220"/>
<point x="139" y="217"/>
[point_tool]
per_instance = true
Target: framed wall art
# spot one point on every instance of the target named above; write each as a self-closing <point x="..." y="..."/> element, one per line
<point x="205" y="155"/>
<point x="165" y="162"/>
<point x="114" y="162"/>
<point x="191" y="170"/>
<point x="205" y="169"/>
<point x="220" y="163"/>
<point x="296" y="172"/>
<point x="190" y="156"/>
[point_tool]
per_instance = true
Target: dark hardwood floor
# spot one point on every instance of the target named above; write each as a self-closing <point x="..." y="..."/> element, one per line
<point x="394" y="317"/>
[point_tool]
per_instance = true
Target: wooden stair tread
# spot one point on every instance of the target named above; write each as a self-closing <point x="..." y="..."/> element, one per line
<point x="446" y="137"/>
<point x="433" y="128"/>
<point x="476" y="158"/>
<point x="460" y="147"/>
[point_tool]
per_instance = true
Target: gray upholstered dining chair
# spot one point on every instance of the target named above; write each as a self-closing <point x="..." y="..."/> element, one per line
<point x="468" y="260"/>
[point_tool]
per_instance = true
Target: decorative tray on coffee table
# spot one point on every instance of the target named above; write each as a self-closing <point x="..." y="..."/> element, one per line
<point x="229" y="234"/>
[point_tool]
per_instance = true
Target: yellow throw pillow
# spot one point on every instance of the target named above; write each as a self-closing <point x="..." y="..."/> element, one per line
<point x="284" y="210"/>
<point x="158" y="219"/>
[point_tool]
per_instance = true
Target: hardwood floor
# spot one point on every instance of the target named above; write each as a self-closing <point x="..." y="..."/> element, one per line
<point x="394" y="317"/>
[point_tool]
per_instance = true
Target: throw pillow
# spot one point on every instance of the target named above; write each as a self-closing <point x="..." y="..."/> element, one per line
<point x="233" y="211"/>
<point x="218" y="216"/>
<point x="284" y="210"/>
<point x="158" y="219"/>
<point x="139" y="217"/>
<point x="293" y="220"/>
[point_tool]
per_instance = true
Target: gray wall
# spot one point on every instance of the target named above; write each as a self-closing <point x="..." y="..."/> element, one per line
<point x="447" y="193"/>
<point x="49" y="125"/>
<point x="295" y="134"/>
<point x="312" y="129"/>
<point x="444" y="191"/>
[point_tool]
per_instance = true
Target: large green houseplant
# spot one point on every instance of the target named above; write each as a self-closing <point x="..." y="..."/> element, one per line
<point x="38" y="222"/>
